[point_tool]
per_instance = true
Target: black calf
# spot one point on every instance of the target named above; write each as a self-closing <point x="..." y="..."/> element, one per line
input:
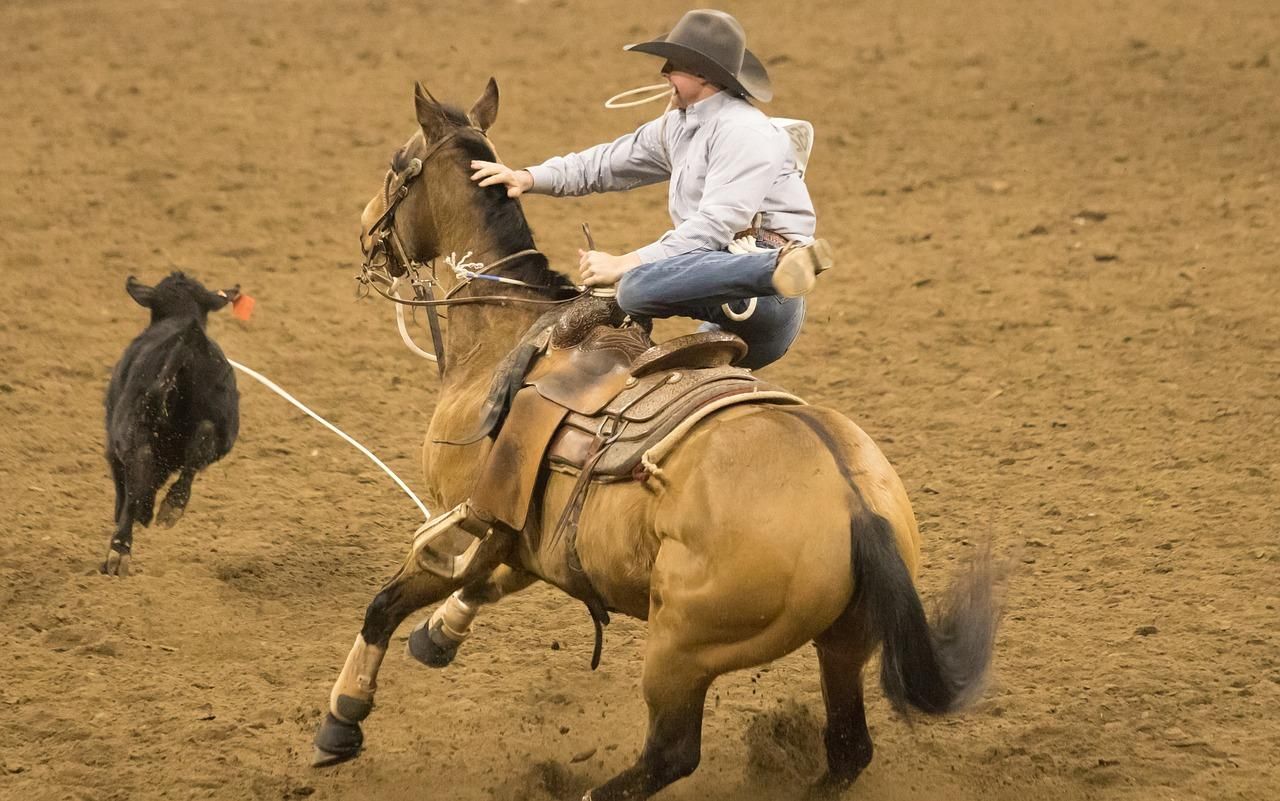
<point x="172" y="407"/>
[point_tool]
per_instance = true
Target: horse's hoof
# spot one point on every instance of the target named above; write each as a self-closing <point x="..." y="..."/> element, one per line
<point x="336" y="741"/>
<point x="321" y="758"/>
<point x="429" y="645"/>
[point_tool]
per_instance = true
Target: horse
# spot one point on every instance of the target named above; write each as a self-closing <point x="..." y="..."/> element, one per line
<point x="714" y="558"/>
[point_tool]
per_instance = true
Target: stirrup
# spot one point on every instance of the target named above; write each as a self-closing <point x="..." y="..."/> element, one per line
<point x="445" y="546"/>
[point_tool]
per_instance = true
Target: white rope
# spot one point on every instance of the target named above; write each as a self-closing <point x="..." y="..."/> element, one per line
<point x="462" y="269"/>
<point x="460" y="265"/>
<point x="617" y="102"/>
<point x="269" y="384"/>
<point x="745" y="244"/>
<point x="404" y="329"/>
<point x="738" y="317"/>
<point x="404" y="335"/>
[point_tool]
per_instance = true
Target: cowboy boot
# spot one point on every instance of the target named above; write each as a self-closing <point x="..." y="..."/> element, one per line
<point x="799" y="266"/>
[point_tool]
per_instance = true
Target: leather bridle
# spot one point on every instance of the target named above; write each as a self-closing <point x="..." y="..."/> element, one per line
<point x="388" y="261"/>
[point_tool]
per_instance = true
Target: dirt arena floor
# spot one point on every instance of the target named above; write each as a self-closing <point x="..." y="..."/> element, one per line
<point x="1059" y="228"/>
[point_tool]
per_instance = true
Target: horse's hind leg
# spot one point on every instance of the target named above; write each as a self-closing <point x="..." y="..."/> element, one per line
<point x="675" y="689"/>
<point x="842" y="651"/>
<point x="434" y="642"/>
<point x="414" y="586"/>
<point x="200" y="452"/>
<point x="702" y="625"/>
<point x="710" y="616"/>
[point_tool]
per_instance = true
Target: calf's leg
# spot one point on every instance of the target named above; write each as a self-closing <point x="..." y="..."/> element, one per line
<point x="141" y="478"/>
<point x="116" y="562"/>
<point x="199" y="453"/>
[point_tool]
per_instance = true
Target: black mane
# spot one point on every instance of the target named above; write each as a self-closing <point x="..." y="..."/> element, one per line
<point x="502" y="215"/>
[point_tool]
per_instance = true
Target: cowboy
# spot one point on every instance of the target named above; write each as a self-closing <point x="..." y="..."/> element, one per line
<point x="733" y="179"/>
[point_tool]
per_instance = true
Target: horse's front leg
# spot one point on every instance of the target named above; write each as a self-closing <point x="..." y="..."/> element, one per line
<point x="436" y="566"/>
<point x="434" y="642"/>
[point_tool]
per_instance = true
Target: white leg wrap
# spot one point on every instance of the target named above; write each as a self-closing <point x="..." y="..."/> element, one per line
<point x="454" y="617"/>
<point x="357" y="682"/>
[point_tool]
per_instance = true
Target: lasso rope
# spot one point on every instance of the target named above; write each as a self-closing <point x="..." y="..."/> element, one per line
<point x="271" y="385"/>
<point x="663" y="92"/>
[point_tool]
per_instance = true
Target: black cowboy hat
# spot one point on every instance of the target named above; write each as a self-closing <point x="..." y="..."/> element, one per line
<point x="713" y="45"/>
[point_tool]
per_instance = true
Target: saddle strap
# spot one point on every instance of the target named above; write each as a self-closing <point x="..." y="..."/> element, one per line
<point x="644" y="442"/>
<point x="580" y="584"/>
<point x="505" y="486"/>
<point x="650" y="458"/>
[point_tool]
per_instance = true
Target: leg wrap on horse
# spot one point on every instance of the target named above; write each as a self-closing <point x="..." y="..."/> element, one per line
<point x="351" y="700"/>
<point x="435" y="641"/>
<point x="454" y="618"/>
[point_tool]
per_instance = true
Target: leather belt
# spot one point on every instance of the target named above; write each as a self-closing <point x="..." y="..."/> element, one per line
<point x="764" y="235"/>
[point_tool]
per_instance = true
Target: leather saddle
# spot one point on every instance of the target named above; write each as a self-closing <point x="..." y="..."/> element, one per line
<point x="588" y="393"/>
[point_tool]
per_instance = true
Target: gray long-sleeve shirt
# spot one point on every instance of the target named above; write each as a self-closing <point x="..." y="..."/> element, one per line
<point x="726" y="162"/>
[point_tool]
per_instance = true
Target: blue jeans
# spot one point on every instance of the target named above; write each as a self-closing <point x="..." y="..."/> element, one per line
<point x="697" y="284"/>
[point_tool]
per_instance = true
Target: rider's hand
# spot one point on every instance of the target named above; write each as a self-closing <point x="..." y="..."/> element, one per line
<point x="490" y="173"/>
<point x="604" y="269"/>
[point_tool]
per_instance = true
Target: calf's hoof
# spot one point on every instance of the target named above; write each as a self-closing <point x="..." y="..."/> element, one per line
<point x="429" y="644"/>
<point x="170" y="512"/>
<point x="336" y="741"/>
<point x="117" y="564"/>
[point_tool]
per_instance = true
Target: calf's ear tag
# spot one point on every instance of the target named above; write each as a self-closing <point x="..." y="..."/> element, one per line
<point x="242" y="306"/>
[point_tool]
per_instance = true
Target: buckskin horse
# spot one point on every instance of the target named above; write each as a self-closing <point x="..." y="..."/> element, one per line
<point x="708" y="547"/>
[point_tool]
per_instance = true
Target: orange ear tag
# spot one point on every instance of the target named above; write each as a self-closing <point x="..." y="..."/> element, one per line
<point x="242" y="306"/>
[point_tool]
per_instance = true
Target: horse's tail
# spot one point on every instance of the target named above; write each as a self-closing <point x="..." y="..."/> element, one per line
<point x="936" y="668"/>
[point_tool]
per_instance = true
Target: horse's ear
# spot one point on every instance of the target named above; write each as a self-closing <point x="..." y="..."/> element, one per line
<point x="140" y="292"/>
<point x="430" y="116"/>
<point x="485" y="111"/>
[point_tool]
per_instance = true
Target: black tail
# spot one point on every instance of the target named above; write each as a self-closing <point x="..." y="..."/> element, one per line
<point x="936" y="668"/>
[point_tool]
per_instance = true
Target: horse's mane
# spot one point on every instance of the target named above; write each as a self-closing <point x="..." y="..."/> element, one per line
<point x="503" y="215"/>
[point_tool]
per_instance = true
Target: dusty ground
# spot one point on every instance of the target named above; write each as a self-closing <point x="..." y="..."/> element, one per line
<point x="1060" y="244"/>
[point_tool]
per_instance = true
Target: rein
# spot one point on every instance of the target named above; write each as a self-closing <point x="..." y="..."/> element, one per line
<point x="388" y="253"/>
